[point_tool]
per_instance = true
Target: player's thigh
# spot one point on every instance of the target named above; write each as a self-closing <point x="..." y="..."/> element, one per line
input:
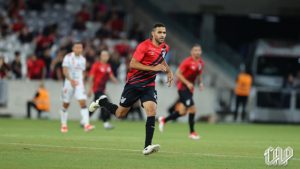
<point x="150" y="108"/>
<point x="129" y="96"/>
<point x="67" y="93"/>
<point x="80" y="95"/>
<point x="122" y="111"/>
<point x="148" y="94"/>
<point x="186" y="98"/>
<point x="192" y="109"/>
<point x="181" y="109"/>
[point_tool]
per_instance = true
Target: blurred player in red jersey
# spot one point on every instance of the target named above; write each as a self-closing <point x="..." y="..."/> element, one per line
<point x="99" y="74"/>
<point x="188" y="71"/>
<point x="147" y="61"/>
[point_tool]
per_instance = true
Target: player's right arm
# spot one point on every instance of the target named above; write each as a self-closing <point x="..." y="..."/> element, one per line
<point x="66" y="73"/>
<point x="183" y="66"/>
<point x="180" y="76"/>
<point x="67" y="76"/>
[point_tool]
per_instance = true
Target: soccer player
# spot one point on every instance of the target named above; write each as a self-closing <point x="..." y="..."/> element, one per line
<point x="73" y="69"/>
<point x="188" y="71"/>
<point x="147" y="61"/>
<point x="99" y="74"/>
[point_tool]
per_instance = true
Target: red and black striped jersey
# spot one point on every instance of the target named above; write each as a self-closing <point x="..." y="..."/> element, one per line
<point x="190" y="69"/>
<point x="147" y="54"/>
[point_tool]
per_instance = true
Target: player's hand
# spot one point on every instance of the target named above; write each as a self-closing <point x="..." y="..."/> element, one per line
<point x="74" y="83"/>
<point x="190" y="86"/>
<point x="90" y="93"/>
<point x="201" y="86"/>
<point x="170" y="78"/>
<point x="159" y="68"/>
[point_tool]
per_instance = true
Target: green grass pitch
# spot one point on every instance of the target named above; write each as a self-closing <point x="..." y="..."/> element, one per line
<point x="38" y="144"/>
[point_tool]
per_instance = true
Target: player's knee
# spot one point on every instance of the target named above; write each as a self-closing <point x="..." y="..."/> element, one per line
<point x="121" y="113"/>
<point x="151" y="111"/>
<point x="66" y="105"/>
<point x="119" y="116"/>
<point x="192" y="109"/>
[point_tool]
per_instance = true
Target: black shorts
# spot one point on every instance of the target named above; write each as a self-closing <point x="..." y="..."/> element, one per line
<point x="186" y="97"/>
<point x="133" y="93"/>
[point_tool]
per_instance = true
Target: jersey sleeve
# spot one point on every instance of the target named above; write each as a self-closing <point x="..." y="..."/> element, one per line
<point x="93" y="70"/>
<point x="109" y="71"/>
<point x="84" y="64"/>
<point x="183" y="66"/>
<point x="139" y="52"/>
<point x="202" y="68"/>
<point x="66" y="61"/>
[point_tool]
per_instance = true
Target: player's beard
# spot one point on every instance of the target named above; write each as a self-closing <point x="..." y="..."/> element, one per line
<point x="159" y="41"/>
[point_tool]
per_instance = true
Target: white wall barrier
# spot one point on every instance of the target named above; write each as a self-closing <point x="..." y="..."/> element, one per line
<point x="19" y="92"/>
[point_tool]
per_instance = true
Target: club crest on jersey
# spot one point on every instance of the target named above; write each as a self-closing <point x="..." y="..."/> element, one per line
<point x="152" y="53"/>
<point x="163" y="53"/>
<point x="123" y="99"/>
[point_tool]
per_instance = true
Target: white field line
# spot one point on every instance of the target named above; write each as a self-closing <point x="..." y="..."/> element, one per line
<point x="132" y="150"/>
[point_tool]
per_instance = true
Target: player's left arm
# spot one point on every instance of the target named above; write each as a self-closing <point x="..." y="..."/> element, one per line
<point x="169" y="73"/>
<point x="90" y="81"/>
<point x="201" y="84"/>
<point x="113" y="78"/>
<point x="90" y="85"/>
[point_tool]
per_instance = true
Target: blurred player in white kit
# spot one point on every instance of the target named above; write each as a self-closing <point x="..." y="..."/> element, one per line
<point x="74" y="65"/>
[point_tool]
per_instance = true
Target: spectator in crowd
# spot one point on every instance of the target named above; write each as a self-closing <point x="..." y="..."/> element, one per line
<point x="40" y="102"/>
<point x="289" y="82"/>
<point x="136" y="32"/>
<point x="56" y="66"/>
<point x="47" y="60"/>
<point x="115" y="63"/>
<point x="16" y="66"/>
<point x="104" y="32"/>
<point x="4" y="68"/>
<point x="84" y="14"/>
<point x="4" y="27"/>
<point x="18" y="25"/>
<point x="15" y="7"/>
<point x="79" y="24"/>
<point x="44" y="41"/>
<point x="25" y="35"/>
<point x="116" y="22"/>
<point x="36" y="5"/>
<point x="100" y="11"/>
<point x="35" y="67"/>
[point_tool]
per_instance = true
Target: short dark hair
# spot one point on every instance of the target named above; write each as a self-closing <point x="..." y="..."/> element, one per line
<point x="17" y="53"/>
<point x="156" y="25"/>
<point x="196" y="45"/>
<point x="77" y="43"/>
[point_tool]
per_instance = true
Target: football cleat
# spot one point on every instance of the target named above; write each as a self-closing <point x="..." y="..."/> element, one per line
<point x="151" y="149"/>
<point x="108" y="125"/>
<point x="88" y="128"/>
<point x="95" y="104"/>
<point x="194" y="136"/>
<point x="64" y="129"/>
